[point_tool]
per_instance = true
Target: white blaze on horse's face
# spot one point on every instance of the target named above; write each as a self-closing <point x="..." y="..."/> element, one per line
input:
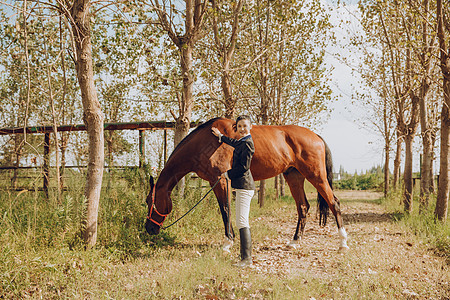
<point x="243" y="127"/>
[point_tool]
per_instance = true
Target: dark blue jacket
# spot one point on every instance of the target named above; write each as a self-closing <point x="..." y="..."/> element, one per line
<point x="240" y="175"/>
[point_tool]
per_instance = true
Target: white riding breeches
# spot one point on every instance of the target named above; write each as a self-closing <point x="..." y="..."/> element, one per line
<point x="243" y="199"/>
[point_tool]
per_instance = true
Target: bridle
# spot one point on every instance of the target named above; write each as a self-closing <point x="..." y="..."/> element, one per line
<point x="153" y="208"/>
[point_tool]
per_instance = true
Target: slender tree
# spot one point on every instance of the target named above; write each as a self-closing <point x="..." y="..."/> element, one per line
<point x="397" y="160"/>
<point x="423" y="38"/>
<point x="379" y="110"/>
<point x="193" y="15"/>
<point x="394" y="26"/>
<point x="79" y="16"/>
<point x="225" y="46"/>
<point x="444" y="168"/>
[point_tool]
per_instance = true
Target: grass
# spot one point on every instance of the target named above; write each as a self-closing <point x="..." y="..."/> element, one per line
<point x="42" y="255"/>
<point x="422" y="223"/>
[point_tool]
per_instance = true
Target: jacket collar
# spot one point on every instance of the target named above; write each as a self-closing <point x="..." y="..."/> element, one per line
<point x="245" y="138"/>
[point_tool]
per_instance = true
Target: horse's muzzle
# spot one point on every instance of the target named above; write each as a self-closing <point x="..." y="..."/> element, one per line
<point x="152" y="228"/>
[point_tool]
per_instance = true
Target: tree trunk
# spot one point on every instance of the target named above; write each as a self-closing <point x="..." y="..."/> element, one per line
<point x="426" y="127"/>
<point x="226" y="50"/>
<point x="432" y="176"/>
<point x="230" y="104"/>
<point x="277" y="186"/>
<point x="262" y="193"/>
<point x="426" y="170"/>
<point x="443" y="185"/>
<point x="444" y="168"/>
<point x="18" y="152"/>
<point x="387" y="148"/>
<point x="54" y="122"/>
<point x="408" y="191"/>
<point x="409" y="132"/>
<point x="183" y="120"/>
<point x="92" y="116"/>
<point x="386" y="169"/>
<point x="64" y="139"/>
<point x="64" y="136"/>
<point x="427" y="157"/>
<point x="193" y="23"/>
<point x="397" y="162"/>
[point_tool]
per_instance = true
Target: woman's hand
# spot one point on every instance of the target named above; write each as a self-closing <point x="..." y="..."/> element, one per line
<point x="216" y="131"/>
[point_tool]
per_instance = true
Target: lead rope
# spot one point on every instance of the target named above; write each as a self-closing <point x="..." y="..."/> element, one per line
<point x="196" y="205"/>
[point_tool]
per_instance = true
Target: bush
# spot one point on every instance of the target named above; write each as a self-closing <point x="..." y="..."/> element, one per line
<point x="372" y="179"/>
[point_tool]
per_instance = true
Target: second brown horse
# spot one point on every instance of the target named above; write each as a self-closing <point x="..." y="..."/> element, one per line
<point x="296" y="152"/>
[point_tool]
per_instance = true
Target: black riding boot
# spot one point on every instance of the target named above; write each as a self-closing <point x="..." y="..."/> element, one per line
<point x="246" y="248"/>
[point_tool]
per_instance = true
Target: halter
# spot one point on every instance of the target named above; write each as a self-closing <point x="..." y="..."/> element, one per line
<point x="153" y="208"/>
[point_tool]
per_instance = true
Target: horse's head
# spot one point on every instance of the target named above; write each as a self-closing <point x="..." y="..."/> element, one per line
<point x="154" y="217"/>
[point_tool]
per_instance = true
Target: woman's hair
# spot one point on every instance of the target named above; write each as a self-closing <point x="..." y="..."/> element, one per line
<point x="243" y="117"/>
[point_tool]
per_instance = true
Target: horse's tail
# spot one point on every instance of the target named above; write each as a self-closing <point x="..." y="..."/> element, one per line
<point x="322" y="203"/>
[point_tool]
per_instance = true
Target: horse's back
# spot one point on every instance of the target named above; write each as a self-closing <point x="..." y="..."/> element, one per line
<point x="297" y="138"/>
<point x="278" y="148"/>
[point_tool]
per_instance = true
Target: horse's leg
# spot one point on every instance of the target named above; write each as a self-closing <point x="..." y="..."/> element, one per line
<point x="321" y="184"/>
<point x="296" y="183"/>
<point x="223" y="194"/>
<point x="317" y="175"/>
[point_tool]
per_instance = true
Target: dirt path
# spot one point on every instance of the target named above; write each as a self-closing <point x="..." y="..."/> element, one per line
<point x="382" y="257"/>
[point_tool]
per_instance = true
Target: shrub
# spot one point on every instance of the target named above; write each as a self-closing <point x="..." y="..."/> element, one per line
<point x="372" y="179"/>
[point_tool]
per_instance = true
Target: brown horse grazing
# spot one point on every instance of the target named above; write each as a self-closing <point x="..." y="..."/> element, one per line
<point x="295" y="151"/>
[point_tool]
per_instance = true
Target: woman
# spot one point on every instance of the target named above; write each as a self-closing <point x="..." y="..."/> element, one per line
<point x="241" y="180"/>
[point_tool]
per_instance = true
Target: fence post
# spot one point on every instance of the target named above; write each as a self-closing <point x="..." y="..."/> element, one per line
<point x="46" y="167"/>
<point x="165" y="146"/>
<point x="141" y="148"/>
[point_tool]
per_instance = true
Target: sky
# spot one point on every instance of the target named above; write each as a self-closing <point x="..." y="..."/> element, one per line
<point x="355" y="148"/>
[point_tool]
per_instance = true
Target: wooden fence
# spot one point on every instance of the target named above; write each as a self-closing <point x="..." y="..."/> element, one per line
<point x="47" y="130"/>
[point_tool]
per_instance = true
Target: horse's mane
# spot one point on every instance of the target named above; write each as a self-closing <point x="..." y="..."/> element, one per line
<point x="195" y="131"/>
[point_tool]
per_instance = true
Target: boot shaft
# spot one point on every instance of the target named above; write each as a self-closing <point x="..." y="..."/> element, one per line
<point x="246" y="243"/>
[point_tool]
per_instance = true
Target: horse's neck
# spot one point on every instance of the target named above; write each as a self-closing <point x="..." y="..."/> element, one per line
<point x="185" y="159"/>
<point x="173" y="173"/>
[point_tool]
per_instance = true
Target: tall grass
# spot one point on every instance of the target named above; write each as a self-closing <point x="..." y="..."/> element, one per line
<point x="42" y="255"/>
<point x="29" y="221"/>
<point x="422" y="223"/>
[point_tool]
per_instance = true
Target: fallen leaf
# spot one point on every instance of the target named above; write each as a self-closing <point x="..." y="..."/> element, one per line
<point x="223" y="286"/>
<point x="409" y="293"/>
<point x="395" y="268"/>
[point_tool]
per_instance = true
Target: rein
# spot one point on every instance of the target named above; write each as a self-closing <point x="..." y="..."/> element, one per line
<point x="203" y="198"/>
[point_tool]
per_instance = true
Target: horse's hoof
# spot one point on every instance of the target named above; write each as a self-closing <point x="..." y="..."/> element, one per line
<point x="292" y="244"/>
<point x="343" y="249"/>
<point x="227" y="246"/>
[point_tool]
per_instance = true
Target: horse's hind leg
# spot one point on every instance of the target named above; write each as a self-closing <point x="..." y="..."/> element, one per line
<point x="319" y="181"/>
<point x="296" y="183"/>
